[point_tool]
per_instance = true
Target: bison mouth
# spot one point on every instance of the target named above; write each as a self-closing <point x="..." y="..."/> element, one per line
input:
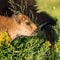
<point x="34" y="33"/>
<point x="31" y="35"/>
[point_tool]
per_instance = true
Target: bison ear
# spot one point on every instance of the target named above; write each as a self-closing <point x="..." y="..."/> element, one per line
<point x="16" y="18"/>
<point x="20" y="16"/>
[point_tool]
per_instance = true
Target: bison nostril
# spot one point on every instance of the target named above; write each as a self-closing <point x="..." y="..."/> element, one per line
<point x="36" y="31"/>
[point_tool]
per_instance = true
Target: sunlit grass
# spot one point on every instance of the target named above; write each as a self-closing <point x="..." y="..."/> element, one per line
<point x="4" y="38"/>
<point x="50" y="6"/>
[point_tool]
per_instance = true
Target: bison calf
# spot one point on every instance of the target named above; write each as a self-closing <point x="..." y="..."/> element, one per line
<point x="17" y="25"/>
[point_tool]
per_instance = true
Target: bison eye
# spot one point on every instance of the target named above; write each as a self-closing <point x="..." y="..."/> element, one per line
<point x="27" y="23"/>
<point x="19" y="22"/>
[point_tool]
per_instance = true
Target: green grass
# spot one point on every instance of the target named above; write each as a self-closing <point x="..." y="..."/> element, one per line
<point x="34" y="48"/>
<point x="25" y="49"/>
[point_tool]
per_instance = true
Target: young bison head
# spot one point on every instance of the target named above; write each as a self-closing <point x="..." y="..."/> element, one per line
<point x="23" y="26"/>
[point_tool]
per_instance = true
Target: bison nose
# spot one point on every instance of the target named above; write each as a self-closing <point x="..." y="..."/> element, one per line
<point x="34" y="33"/>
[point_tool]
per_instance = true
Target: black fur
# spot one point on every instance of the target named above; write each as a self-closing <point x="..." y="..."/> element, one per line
<point x="44" y="17"/>
<point x="48" y="29"/>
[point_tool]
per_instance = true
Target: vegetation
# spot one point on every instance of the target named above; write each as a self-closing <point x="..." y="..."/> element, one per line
<point x="33" y="48"/>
